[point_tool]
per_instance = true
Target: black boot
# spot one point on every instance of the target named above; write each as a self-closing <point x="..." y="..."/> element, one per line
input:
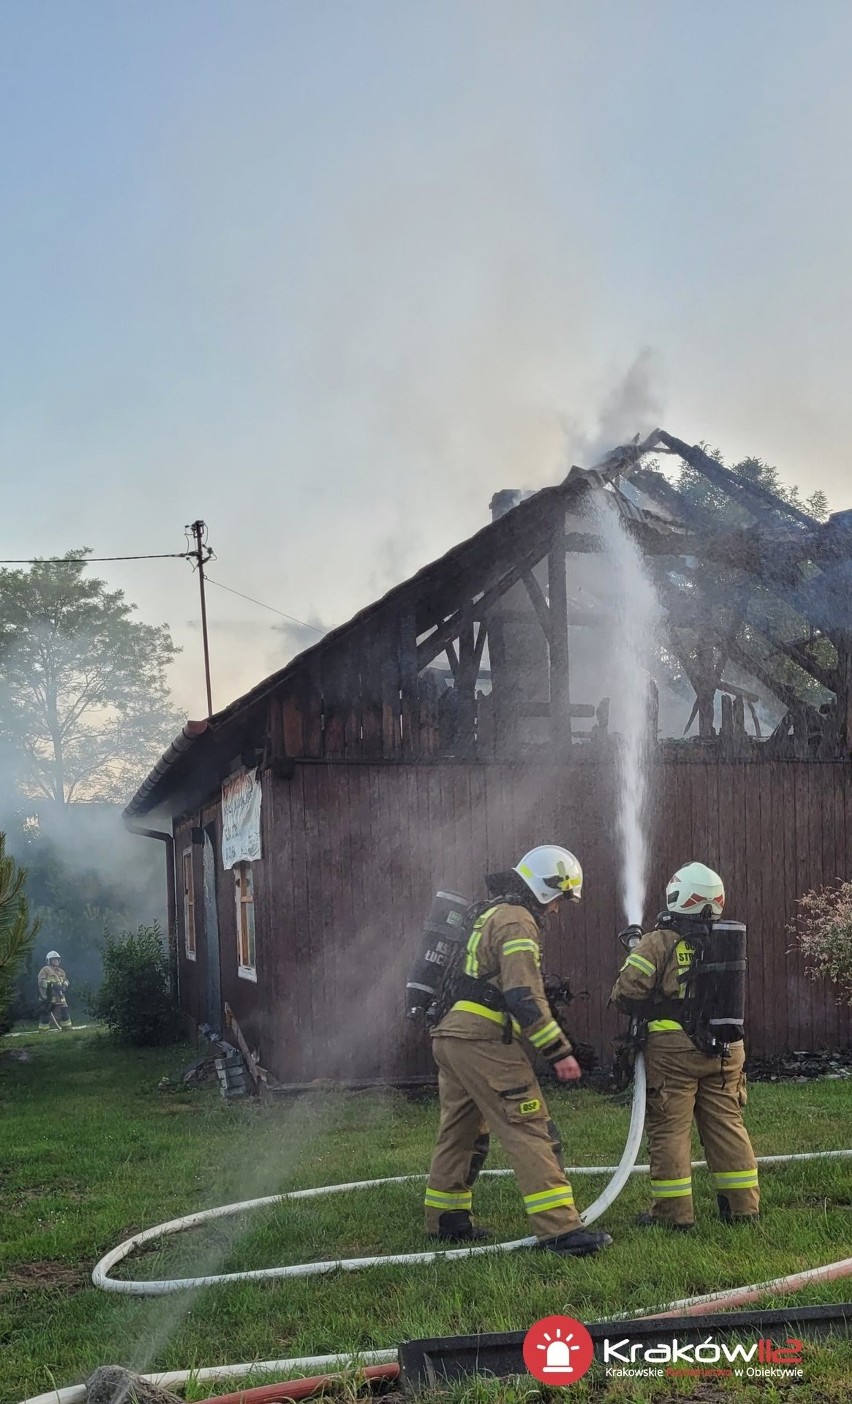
<point x="728" y="1218"/>
<point x="651" y="1221"/>
<point x="456" y="1226"/>
<point x="576" y="1244"/>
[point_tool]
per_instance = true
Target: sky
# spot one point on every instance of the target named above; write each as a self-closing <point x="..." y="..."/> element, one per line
<point x="328" y="275"/>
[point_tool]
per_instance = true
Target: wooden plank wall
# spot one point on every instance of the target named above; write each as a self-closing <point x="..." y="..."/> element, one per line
<point x="353" y="854"/>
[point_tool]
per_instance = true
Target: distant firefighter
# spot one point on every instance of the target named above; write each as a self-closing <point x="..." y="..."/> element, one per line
<point x="52" y="984"/>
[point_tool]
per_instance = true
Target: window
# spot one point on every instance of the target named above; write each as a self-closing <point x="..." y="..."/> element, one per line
<point x="245" y="921"/>
<point x="188" y="905"/>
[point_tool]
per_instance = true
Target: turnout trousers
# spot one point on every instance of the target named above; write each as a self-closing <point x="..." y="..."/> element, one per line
<point x="59" y="1011"/>
<point x="486" y="1085"/>
<point x="684" y="1084"/>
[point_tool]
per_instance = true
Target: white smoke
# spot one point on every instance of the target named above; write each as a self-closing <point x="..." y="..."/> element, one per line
<point x="631" y="403"/>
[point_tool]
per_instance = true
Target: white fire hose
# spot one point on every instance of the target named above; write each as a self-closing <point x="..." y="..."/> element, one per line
<point x="76" y="1394"/>
<point x="101" y="1278"/>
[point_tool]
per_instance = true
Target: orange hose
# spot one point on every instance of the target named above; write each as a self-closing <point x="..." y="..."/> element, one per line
<point x="298" y="1389"/>
<point x="741" y="1296"/>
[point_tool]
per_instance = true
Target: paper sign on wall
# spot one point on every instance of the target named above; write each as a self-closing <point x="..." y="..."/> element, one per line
<point x="241" y="798"/>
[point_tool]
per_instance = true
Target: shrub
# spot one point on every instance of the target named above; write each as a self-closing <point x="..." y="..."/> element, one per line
<point x="17" y="932"/>
<point x="823" y="928"/>
<point x="134" y="1000"/>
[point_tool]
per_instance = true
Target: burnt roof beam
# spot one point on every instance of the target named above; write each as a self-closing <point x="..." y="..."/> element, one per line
<point x="712" y="594"/>
<point x="435" y="643"/>
<point x="523" y="534"/>
<point x="539" y="603"/>
<point x="761" y="501"/>
<point x="791" y="699"/>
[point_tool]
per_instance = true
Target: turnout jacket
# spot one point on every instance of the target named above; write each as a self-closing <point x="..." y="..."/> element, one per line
<point x="504" y="951"/>
<point x="52" y="983"/>
<point x="648" y="979"/>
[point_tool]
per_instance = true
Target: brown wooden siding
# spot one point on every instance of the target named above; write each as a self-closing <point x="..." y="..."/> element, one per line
<point x="353" y="854"/>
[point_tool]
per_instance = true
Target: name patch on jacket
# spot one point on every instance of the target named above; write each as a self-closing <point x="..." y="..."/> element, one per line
<point x="527" y="1108"/>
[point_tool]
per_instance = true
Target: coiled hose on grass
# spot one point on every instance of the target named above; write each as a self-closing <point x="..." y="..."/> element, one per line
<point x="76" y="1394"/>
<point x="100" y="1277"/>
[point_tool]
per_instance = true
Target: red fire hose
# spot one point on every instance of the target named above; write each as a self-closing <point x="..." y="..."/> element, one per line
<point x="298" y="1389"/>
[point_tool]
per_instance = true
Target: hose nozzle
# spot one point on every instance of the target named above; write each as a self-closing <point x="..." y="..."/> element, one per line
<point x="630" y="936"/>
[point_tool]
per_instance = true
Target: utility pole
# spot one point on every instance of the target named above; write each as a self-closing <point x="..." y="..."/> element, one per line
<point x="199" y="531"/>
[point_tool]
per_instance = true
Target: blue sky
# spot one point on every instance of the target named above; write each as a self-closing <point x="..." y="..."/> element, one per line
<point x="329" y="274"/>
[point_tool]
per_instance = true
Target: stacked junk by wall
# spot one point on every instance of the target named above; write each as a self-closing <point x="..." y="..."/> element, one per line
<point x="470" y="714"/>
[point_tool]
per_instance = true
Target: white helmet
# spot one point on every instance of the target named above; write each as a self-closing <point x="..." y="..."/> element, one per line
<point x="693" y="889"/>
<point x="53" y="955"/>
<point x="551" y="872"/>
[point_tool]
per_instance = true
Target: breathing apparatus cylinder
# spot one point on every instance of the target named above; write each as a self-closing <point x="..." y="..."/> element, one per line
<point x="442" y="936"/>
<point x="722" y="976"/>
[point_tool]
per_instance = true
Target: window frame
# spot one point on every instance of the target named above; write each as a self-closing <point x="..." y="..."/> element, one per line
<point x="190" y="948"/>
<point x="246" y="940"/>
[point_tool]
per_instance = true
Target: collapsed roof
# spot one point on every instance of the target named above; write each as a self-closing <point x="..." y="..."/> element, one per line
<point x="769" y="599"/>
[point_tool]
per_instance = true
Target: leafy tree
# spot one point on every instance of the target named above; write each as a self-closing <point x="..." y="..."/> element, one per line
<point x="725" y="511"/>
<point x="17" y="932"/>
<point x="84" y="701"/>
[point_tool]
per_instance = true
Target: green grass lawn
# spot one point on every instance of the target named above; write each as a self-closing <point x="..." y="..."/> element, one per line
<point x="92" y="1152"/>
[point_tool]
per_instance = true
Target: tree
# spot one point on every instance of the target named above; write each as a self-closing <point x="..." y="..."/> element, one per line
<point x="17" y="932"/>
<point x="84" y="701"/>
<point x="700" y="492"/>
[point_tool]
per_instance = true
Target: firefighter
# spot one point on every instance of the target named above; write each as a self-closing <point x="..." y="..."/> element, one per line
<point x="486" y="1081"/>
<point x="694" y="1071"/>
<point x="52" y="984"/>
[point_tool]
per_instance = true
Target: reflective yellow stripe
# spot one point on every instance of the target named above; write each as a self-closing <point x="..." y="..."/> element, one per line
<point x="471" y="964"/>
<point x="547" y="1194"/>
<point x="735" y="1179"/>
<point x="558" y="1200"/>
<point x="439" y="1199"/>
<point x="663" y="1025"/>
<point x="646" y="966"/>
<point x="672" y="1189"/>
<point x="520" y="944"/>
<point x="548" y="1034"/>
<point x="467" y="1006"/>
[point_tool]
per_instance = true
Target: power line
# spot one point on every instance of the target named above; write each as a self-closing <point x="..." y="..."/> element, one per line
<point x="302" y="622"/>
<point x="95" y="560"/>
<point x="163" y="556"/>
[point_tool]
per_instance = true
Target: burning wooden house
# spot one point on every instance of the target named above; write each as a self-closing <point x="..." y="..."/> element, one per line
<point x="473" y="712"/>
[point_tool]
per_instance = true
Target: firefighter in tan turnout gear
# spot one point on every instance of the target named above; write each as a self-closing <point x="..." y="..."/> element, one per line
<point x="693" y="1057"/>
<point x="52" y="984"/>
<point x="485" y="1078"/>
